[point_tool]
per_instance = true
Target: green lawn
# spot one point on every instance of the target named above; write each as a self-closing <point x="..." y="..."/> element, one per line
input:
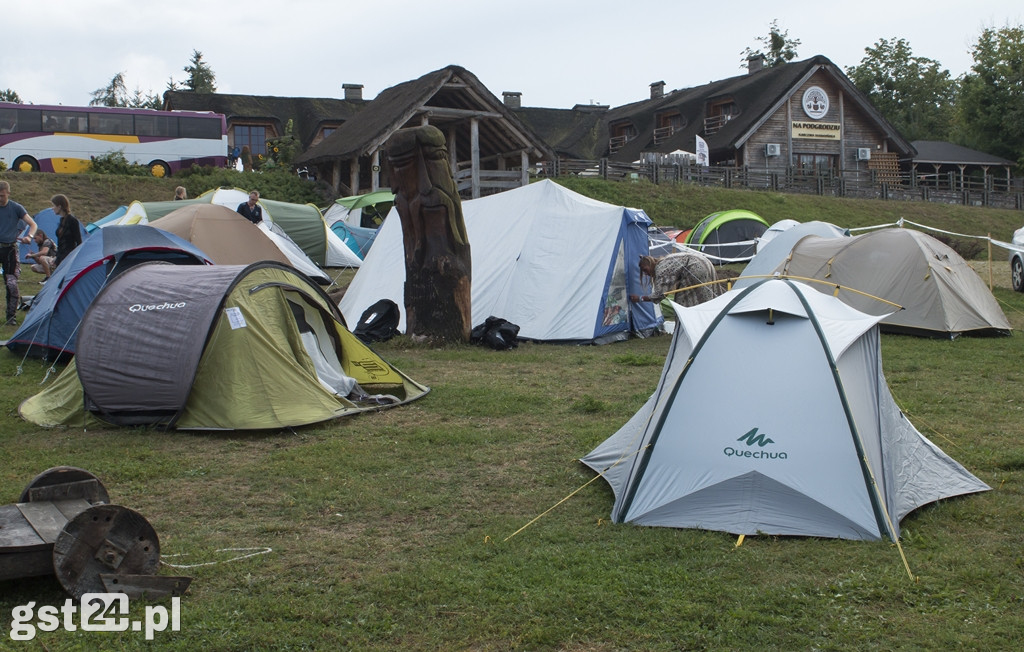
<point x="392" y="530"/>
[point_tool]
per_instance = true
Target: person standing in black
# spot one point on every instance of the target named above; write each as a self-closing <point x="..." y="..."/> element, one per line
<point x="251" y="210"/>
<point x="69" y="231"/>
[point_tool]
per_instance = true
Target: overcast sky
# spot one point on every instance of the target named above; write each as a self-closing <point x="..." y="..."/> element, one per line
<point x="557" y="53"/>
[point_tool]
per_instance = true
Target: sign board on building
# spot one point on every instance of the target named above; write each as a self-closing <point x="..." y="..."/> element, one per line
<point x="817" y="130"/>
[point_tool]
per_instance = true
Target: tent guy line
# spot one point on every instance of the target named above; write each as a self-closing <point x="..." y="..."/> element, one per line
<point x="573" y="493"/>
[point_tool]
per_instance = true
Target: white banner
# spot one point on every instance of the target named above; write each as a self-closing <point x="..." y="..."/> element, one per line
<point x="702" y="152"/>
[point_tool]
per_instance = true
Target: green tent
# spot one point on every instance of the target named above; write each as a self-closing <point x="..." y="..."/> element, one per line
<point x="366" y="211"/>
<point x="234" y="347"/>
<point x="728" y="236"/>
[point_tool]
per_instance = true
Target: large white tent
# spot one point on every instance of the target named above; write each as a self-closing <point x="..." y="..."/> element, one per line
<point x="559" y="265"/>
<point x="808" y="441"/>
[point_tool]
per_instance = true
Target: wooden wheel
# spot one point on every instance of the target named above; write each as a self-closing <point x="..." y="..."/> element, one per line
<point x="104" y="540"/>
<point x="65" y="483"/>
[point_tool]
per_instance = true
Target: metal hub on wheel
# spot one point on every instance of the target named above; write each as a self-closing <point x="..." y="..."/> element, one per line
<point x="103" y="540"/>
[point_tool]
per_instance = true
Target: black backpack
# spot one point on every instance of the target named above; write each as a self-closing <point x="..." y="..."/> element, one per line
<point x="378" y="323"/>
<point x="497" y="333"/>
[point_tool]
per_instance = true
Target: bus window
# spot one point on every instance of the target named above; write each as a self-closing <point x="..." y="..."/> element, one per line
<point x="200" y="128"/>
<point x="156" y="125"/>
<point x="69" y="121"/>
<point x="8" y="120"/>
<point x="78" y="123"/>
<point x="30" y="120"/>
<point x="110" y="123"/>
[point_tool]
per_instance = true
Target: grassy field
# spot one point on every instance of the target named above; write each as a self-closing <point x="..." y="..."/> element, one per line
<point x="394" y="530"/>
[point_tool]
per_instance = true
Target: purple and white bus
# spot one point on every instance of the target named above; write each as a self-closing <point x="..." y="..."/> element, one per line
<point x="36" y="138"/>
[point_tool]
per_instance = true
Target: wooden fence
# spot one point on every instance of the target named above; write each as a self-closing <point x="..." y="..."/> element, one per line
<point x="947" y="188"/>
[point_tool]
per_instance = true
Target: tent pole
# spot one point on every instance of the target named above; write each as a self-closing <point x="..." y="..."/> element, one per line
<point x="989" y="262"/>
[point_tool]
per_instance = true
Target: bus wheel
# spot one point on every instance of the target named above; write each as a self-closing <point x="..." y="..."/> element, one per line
<point x="159" y="169"/>
<point x="25" y="164"/>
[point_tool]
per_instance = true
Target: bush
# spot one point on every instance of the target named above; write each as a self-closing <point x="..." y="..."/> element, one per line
<point x="275" y="183"/>
<point x="968" y="249"/>
<point x="116" y="163"/>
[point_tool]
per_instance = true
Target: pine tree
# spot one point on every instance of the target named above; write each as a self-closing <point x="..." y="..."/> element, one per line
<point x="201" y="78"/>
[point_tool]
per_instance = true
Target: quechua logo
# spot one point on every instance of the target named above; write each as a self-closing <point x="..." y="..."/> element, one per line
<point x="755" y="442"/>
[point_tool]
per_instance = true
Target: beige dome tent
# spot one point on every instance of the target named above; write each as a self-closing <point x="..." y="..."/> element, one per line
<point x="939" y="292"/>
<point x="221" y="233"/>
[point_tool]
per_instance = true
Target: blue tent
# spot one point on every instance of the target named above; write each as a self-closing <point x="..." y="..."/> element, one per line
<point x="119" y="212"/>
<point x="48" y="221"/>
<point x="356" y="238"/>
<point x="51" y="326"/>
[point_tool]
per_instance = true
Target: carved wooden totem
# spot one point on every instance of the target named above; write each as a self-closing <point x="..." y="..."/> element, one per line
<point x="438" y="268"/>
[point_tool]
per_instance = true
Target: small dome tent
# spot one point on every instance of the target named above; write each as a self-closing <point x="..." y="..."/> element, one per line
<point x="52" y="324"/>
<point x="827" y="453"/>
<point x="774" y="230"/>
<point x="366" y="211"/>
<point x="771" y="253"/>
<point x="728" y="236"/>
<point x="230" y="239"/>
<point x="941" y="295"/>
<point x="356" y="219"/>
<point x="217" y="347"/>
<point x="302" y="224"/>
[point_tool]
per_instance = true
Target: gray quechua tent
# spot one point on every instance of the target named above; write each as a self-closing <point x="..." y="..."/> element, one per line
<point x="824" y="453"/>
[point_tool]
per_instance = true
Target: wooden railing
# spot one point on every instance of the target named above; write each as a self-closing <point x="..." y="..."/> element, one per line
<point x="661" y="134"/>
<point x="615" y="143"/>
<point x="948" y="188"/>
<point x="713" y="123"/>
<point x="490" y="181"/>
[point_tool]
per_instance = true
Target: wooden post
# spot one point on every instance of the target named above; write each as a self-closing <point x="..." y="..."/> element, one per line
<point x="353" y="174"/>
<point x="375" y="171"/>
<point x="474" y="146"/>
<point x="336" y="176"/>
<point x="453" y="158"/>
<point x="438" y="266"/>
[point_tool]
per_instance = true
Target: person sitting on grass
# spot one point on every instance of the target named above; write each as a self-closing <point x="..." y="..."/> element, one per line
<point x="45" y="255"/>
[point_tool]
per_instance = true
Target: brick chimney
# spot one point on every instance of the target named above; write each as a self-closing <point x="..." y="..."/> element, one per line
<point x="353" y="91"/>
<point x="513" y="99"/>
<point x="755" y="63"/>
<point x="657" y="90"/>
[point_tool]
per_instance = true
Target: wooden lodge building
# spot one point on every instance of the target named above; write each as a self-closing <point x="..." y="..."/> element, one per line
<point x="806" y="115"/>
<point x="489" y="148"/>
<point x="799" y="118"/>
